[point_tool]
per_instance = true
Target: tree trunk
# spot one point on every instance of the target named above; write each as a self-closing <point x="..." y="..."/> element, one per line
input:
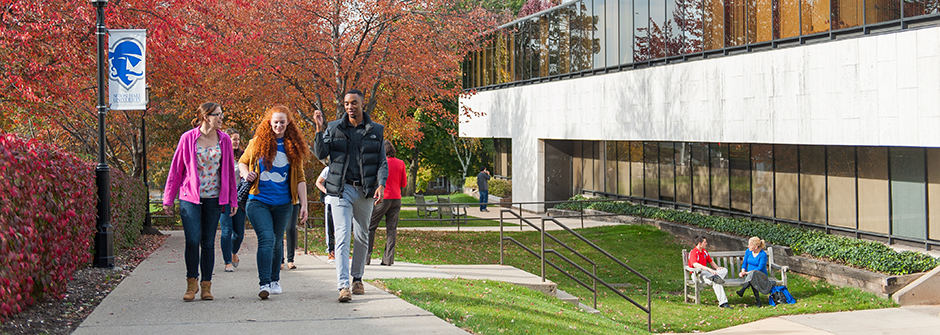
<point x="412" y="173"/>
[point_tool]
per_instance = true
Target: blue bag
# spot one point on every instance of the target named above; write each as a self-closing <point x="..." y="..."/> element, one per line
<point x="780" y="295"/>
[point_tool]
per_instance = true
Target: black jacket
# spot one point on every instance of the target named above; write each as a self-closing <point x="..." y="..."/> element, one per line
<point x="335" y="143"/>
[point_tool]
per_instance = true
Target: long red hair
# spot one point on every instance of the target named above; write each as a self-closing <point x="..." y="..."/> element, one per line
<point x="266" y="144"/>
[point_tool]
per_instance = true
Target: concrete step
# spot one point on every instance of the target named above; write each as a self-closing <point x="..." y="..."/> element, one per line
<point x="566" y="297"/>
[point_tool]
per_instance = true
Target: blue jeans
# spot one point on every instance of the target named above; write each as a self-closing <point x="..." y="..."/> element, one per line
<point x="269" y="223"/>
<point x="484" y="198"/>
<point x="199" y="224"/>
<point x="233" y="233"/>
<point x="351" y="212"/>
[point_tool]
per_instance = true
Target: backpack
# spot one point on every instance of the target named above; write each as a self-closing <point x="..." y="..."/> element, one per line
<point x="780" y="295"/>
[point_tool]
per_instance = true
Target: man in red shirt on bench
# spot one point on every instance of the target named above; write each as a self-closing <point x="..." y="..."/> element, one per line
<point x="700" y="259"/>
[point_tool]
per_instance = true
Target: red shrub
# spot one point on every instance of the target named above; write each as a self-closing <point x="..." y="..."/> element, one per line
<point x="47" y="220"/>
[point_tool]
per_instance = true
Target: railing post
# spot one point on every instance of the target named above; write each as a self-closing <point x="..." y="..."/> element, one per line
<point x="542" y="255"/>
<point x="595" y="285"/>
<point x="500" y="237"/>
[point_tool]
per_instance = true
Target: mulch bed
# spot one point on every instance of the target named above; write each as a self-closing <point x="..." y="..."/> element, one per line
<point x="89" y="285"/>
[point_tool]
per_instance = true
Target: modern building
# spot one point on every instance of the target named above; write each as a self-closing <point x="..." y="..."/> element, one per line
<point x="822" y="113"/>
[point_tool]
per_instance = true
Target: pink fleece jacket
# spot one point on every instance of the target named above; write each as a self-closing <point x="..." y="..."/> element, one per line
<point x="184" y="171"/>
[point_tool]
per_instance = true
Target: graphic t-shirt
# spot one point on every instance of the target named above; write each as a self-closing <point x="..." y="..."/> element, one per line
<point x="209" y="178"/>
<point x="274" y="184"/>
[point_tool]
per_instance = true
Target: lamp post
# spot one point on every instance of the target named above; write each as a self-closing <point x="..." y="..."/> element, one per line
<point x="104" y="236"/>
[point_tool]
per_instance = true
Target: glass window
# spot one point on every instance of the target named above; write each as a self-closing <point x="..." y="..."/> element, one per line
<point x="626" y="31"/>
<point x="545" y="23"/>
<point x="735" y="22"/>
<point x="651" y="171"/>
<point x="760" y="20"/>
<point x="673" y="32"/>
<point x="847" y="13"/>
<point x="815" y="16"/>
<point x="689" y="18"/>
<point x="920" y="7"/>
<point x="873" y="189"/>
<point x="613" y="32"/>
<point x="623" y="168"/>
<point x="841" y="186"/>
<point x="600" y="33"/>
<point x="740" y="176"/>
<point x="683" y="172"/>
<point x="933" y="192"/>
<point x="657" y="32"/>
<point x="577" y="167"/>
<point x="518" y="51"/>
<point x="813" y="184"/>
<point x="719" y="175"/>
<point x="908" y="192"/>
<point x="667" y="171"/>
<point x="558" y="56"/>
<point x="882" y="10"/>
<point x="581" y="38"/>
<point x="534" y="50"/>
<point x="587" y="148"/>
<point x="762" y="179"/>
<point x="714" y="25"/>
<point x="701" y="192"/>
<point x="636" y="169"/>
<point x="786" y="182"/>
<point x="641" y="24"/>
<point x="611" y="164"/>
<point x="789" y="25"/>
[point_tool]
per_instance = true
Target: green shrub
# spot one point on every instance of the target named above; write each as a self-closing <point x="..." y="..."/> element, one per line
<point x="470" y="182"/>
<point x="869" y="255"/>
<point x="501" y="188"/>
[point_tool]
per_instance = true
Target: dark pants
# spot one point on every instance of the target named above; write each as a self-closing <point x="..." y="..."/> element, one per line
<point x="330" y="240"/>
<point x="199" y="224"/>
<point x="291" y="232"/>
<point x="389" y="208"/>
<point x="233" y="233"/>
<point x="484" y="198"/>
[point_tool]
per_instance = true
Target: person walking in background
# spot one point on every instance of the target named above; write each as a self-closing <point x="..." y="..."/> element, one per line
<point x="327" y="214"/>
<point x="202" y="173"/>
<point x="233" y="226"/>
<point x="274" y="163"/>
<point x="358" y="170"/>
<point x="390" y="206"/>
<point x="483" y="185"/>
<point x="700" y="259"/>
<point x="291" y="237"/>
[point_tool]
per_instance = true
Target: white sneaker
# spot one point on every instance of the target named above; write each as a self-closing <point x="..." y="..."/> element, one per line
<point x="264" y="292"/>
<point x="276" y="288"/>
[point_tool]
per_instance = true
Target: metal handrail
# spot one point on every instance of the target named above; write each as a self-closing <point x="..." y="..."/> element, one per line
<point x="593" y="274"/>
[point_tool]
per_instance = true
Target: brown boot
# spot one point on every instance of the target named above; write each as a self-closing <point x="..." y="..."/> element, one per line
<point x="206" y="288"/>
<point x="191" y="289"/>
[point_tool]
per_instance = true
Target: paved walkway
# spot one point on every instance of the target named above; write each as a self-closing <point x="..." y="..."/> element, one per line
<point x="149" y="300"/>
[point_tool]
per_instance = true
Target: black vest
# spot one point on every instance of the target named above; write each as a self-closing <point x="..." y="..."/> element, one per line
<point x="335" y="143"/>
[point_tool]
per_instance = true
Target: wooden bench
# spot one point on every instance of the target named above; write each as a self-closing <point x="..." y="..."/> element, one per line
<point x="732" y="261"/>
<point x="450" y="211"/>
<point x="424" y="211"/>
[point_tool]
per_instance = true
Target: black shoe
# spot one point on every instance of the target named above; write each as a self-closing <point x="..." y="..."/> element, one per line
<point x="717" y="280"/>
<point x="740" y="293"/>
<point x="725" y="305"/>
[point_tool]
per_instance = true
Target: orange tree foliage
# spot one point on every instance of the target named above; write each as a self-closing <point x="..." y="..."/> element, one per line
<point x="404" y="55"/>
<point x="48" y="70"/>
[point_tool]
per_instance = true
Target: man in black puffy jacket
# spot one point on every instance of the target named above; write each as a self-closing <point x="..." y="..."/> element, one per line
<point x="358" y="170"/>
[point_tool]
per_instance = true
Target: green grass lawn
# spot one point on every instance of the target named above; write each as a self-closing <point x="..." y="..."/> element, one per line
<point x="649" y="250"/>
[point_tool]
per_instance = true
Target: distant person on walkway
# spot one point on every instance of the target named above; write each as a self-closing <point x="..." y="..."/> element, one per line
<point x="358" y="170"/>
<point x="327" y="214"/>
<point x="291" y="238"/>
<point x="275" y="158"/>
<point x="233" y="226"/>
<point x="202" y="173"/>
<point x="390" y="206"/>
<point x="700" y="259"/>
<point x="754" y="270"/>
<point x="483" y="185"/>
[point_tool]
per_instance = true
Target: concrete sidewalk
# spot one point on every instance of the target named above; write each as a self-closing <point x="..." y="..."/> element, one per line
<point x="149" y="300"/>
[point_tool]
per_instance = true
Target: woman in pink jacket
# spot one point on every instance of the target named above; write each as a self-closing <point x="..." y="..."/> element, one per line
<point x="203" y="175"/>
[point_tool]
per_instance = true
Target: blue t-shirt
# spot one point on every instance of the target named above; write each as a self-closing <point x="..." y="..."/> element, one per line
<point x="274" y="184"/>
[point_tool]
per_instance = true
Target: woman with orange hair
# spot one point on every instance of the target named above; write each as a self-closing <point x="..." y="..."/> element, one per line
<point x="274" y="163"/>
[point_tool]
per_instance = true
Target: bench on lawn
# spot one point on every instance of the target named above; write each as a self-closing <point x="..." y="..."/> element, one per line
<point x="449" y="211"/>
<point x="424" y="211"/>
<point x="732" y="261"/>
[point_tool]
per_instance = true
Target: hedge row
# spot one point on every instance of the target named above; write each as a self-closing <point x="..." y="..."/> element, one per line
<point x="864" y="254"/>
<point x="47" y="219"/>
